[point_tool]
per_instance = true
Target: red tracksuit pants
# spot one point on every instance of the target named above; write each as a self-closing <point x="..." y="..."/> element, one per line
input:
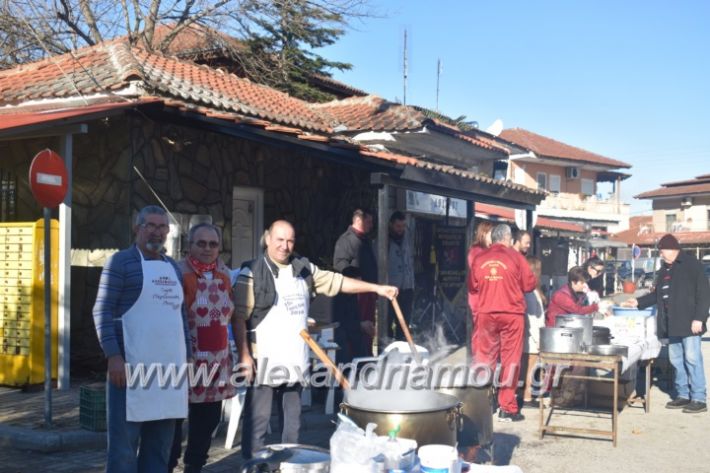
<point x="500" y="337"/>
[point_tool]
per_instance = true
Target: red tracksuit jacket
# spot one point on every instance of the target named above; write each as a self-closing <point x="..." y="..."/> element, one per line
<point x="501" y="277"/>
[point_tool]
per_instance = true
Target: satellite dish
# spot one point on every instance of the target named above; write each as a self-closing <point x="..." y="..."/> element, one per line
<point x="496" y="127"/>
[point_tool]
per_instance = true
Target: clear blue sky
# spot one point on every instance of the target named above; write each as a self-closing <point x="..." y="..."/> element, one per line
<point x="625" y="79"/>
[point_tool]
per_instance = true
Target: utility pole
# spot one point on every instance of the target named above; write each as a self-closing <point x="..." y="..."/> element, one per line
<point x="404" y="96"/>
<point x="438" y="76"/>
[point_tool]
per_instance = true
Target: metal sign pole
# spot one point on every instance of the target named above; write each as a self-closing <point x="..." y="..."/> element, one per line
<point x="47" y="319"/>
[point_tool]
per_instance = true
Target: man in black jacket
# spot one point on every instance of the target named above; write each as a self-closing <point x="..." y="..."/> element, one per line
<point x="271" y="298"/>
<point x="354" y="249"/>
<point x="682" y="297"/>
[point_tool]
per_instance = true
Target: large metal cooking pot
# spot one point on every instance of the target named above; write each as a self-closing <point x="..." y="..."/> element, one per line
<point x="561" y="339"/>
<point x="477" y="416"/>
<point x="289" y="458"/>
<point x="426" y="416"/>
<point x="601" y="336"/>
<point x="573" y="320"/>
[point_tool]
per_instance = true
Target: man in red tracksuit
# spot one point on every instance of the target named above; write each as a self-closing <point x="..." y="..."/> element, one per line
<point x="501" y="276"/>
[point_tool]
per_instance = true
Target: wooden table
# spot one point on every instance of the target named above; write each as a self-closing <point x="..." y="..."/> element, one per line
<point x="611" y="363"/>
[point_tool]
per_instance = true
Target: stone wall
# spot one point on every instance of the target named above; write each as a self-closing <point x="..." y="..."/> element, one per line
<point x="192" y="172"/>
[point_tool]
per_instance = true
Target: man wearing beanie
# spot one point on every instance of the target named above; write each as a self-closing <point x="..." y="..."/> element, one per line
<point x="682" y="296"/>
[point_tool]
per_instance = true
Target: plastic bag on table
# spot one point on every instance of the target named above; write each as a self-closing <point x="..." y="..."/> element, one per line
<point x="353" y="449"/>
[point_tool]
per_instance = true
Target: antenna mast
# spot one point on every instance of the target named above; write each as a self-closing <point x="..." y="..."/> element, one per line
<point x="438" y="75"/>
<point x="404" y="96"/>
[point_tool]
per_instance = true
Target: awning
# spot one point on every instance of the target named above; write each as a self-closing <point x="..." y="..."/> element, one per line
<point x="12" y="124"/>
<point x="487" y="210"/>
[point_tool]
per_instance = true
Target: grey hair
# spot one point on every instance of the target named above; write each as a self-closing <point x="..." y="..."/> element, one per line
<point x="149" y="210"/>
<point x="500" y="232"/>
<point x="199" y="226"/>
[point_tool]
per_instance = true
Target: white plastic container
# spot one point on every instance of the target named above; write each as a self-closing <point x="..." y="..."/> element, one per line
<point x="439" y="459"/>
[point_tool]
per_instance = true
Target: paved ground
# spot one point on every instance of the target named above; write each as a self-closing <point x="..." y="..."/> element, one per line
<point x="661" y="441"/>
<point x="25" y="410"/>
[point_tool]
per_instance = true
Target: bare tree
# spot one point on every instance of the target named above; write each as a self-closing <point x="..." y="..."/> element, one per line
<point x="271" y="41"/>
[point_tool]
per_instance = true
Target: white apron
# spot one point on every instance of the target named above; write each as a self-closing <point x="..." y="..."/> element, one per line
<point x="153" y="334"/>
<point x="278" y="343"/>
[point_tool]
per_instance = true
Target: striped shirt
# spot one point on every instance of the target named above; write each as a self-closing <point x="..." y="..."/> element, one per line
<point x="119" y="287"/>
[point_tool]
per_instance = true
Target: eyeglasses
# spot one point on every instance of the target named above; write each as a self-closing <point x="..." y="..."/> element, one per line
<point x="204" y="244"/>
<point x="151" y="227"/>
<point x="597" y="270"/>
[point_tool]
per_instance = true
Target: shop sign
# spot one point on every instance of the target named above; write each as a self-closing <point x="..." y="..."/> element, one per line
<point x="435" y="204"/>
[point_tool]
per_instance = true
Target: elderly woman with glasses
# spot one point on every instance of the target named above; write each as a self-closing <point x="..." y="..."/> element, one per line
<point x="210" y="309"/>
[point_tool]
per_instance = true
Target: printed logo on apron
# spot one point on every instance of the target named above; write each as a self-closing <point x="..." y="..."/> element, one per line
<point x="282" y="355"/>
<point x="154" y="336"/>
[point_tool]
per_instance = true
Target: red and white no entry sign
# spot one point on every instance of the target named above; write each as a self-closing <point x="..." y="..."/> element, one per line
<point x="48" y="178"/>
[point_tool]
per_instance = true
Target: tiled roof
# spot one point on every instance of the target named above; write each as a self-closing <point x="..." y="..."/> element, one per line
<point x="473" y="137"/>
<point x="372" y="113"/>
<point x="113" y="66"/>
<point x="699" y="185"/>
<point x="549" y="148"/>
<point x="336" y="86"/>
<point x="638" y="226"/>
<point x="675" y="191"/>
<point x="542" y="222"/>
<point x="114" y="72"/>
<point x="650" y="239"/>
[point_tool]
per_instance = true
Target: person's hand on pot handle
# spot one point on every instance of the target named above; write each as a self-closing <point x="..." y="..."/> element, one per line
<point x="390" y="292"/>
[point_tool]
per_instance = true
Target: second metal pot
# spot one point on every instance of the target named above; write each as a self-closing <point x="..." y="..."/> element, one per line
<point x="601" y="336"/>
<point x="561" y="339"/>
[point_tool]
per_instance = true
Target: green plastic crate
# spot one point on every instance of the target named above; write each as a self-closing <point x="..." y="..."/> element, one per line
<point x="92" y="407"/>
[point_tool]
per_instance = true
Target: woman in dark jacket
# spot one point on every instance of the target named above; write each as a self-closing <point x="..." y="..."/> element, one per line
<point x="682" y="297"/>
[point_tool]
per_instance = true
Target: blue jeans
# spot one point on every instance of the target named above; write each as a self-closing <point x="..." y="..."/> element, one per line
<point x="135" y="447"/>
<point x="687" y="360"/>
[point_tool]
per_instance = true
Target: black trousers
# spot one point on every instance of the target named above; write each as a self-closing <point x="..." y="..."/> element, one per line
<point x="257" y="413"/>
<point x="406" y="303"/>
<point x="202" y="419"/>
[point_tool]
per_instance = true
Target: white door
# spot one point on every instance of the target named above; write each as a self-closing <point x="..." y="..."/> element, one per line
<point x="247" y="224"/>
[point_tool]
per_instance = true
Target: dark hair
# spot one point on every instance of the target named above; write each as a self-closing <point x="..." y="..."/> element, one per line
<point x="397" y="216"/>
<point x="577" y="274"/>
<point x="518" y="235"/>
<point x="593" y="261"/>
<point x="199" y="226"/>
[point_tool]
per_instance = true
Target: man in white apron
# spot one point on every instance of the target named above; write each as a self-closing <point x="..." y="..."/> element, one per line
<point x="140" y="322"/>
<point x="272" y="295"/>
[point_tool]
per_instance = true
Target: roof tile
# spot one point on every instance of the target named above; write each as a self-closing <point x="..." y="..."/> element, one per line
<point x="549" y="148"/>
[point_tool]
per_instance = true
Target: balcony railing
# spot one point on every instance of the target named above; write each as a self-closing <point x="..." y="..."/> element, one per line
<point x="583" y="203"/>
